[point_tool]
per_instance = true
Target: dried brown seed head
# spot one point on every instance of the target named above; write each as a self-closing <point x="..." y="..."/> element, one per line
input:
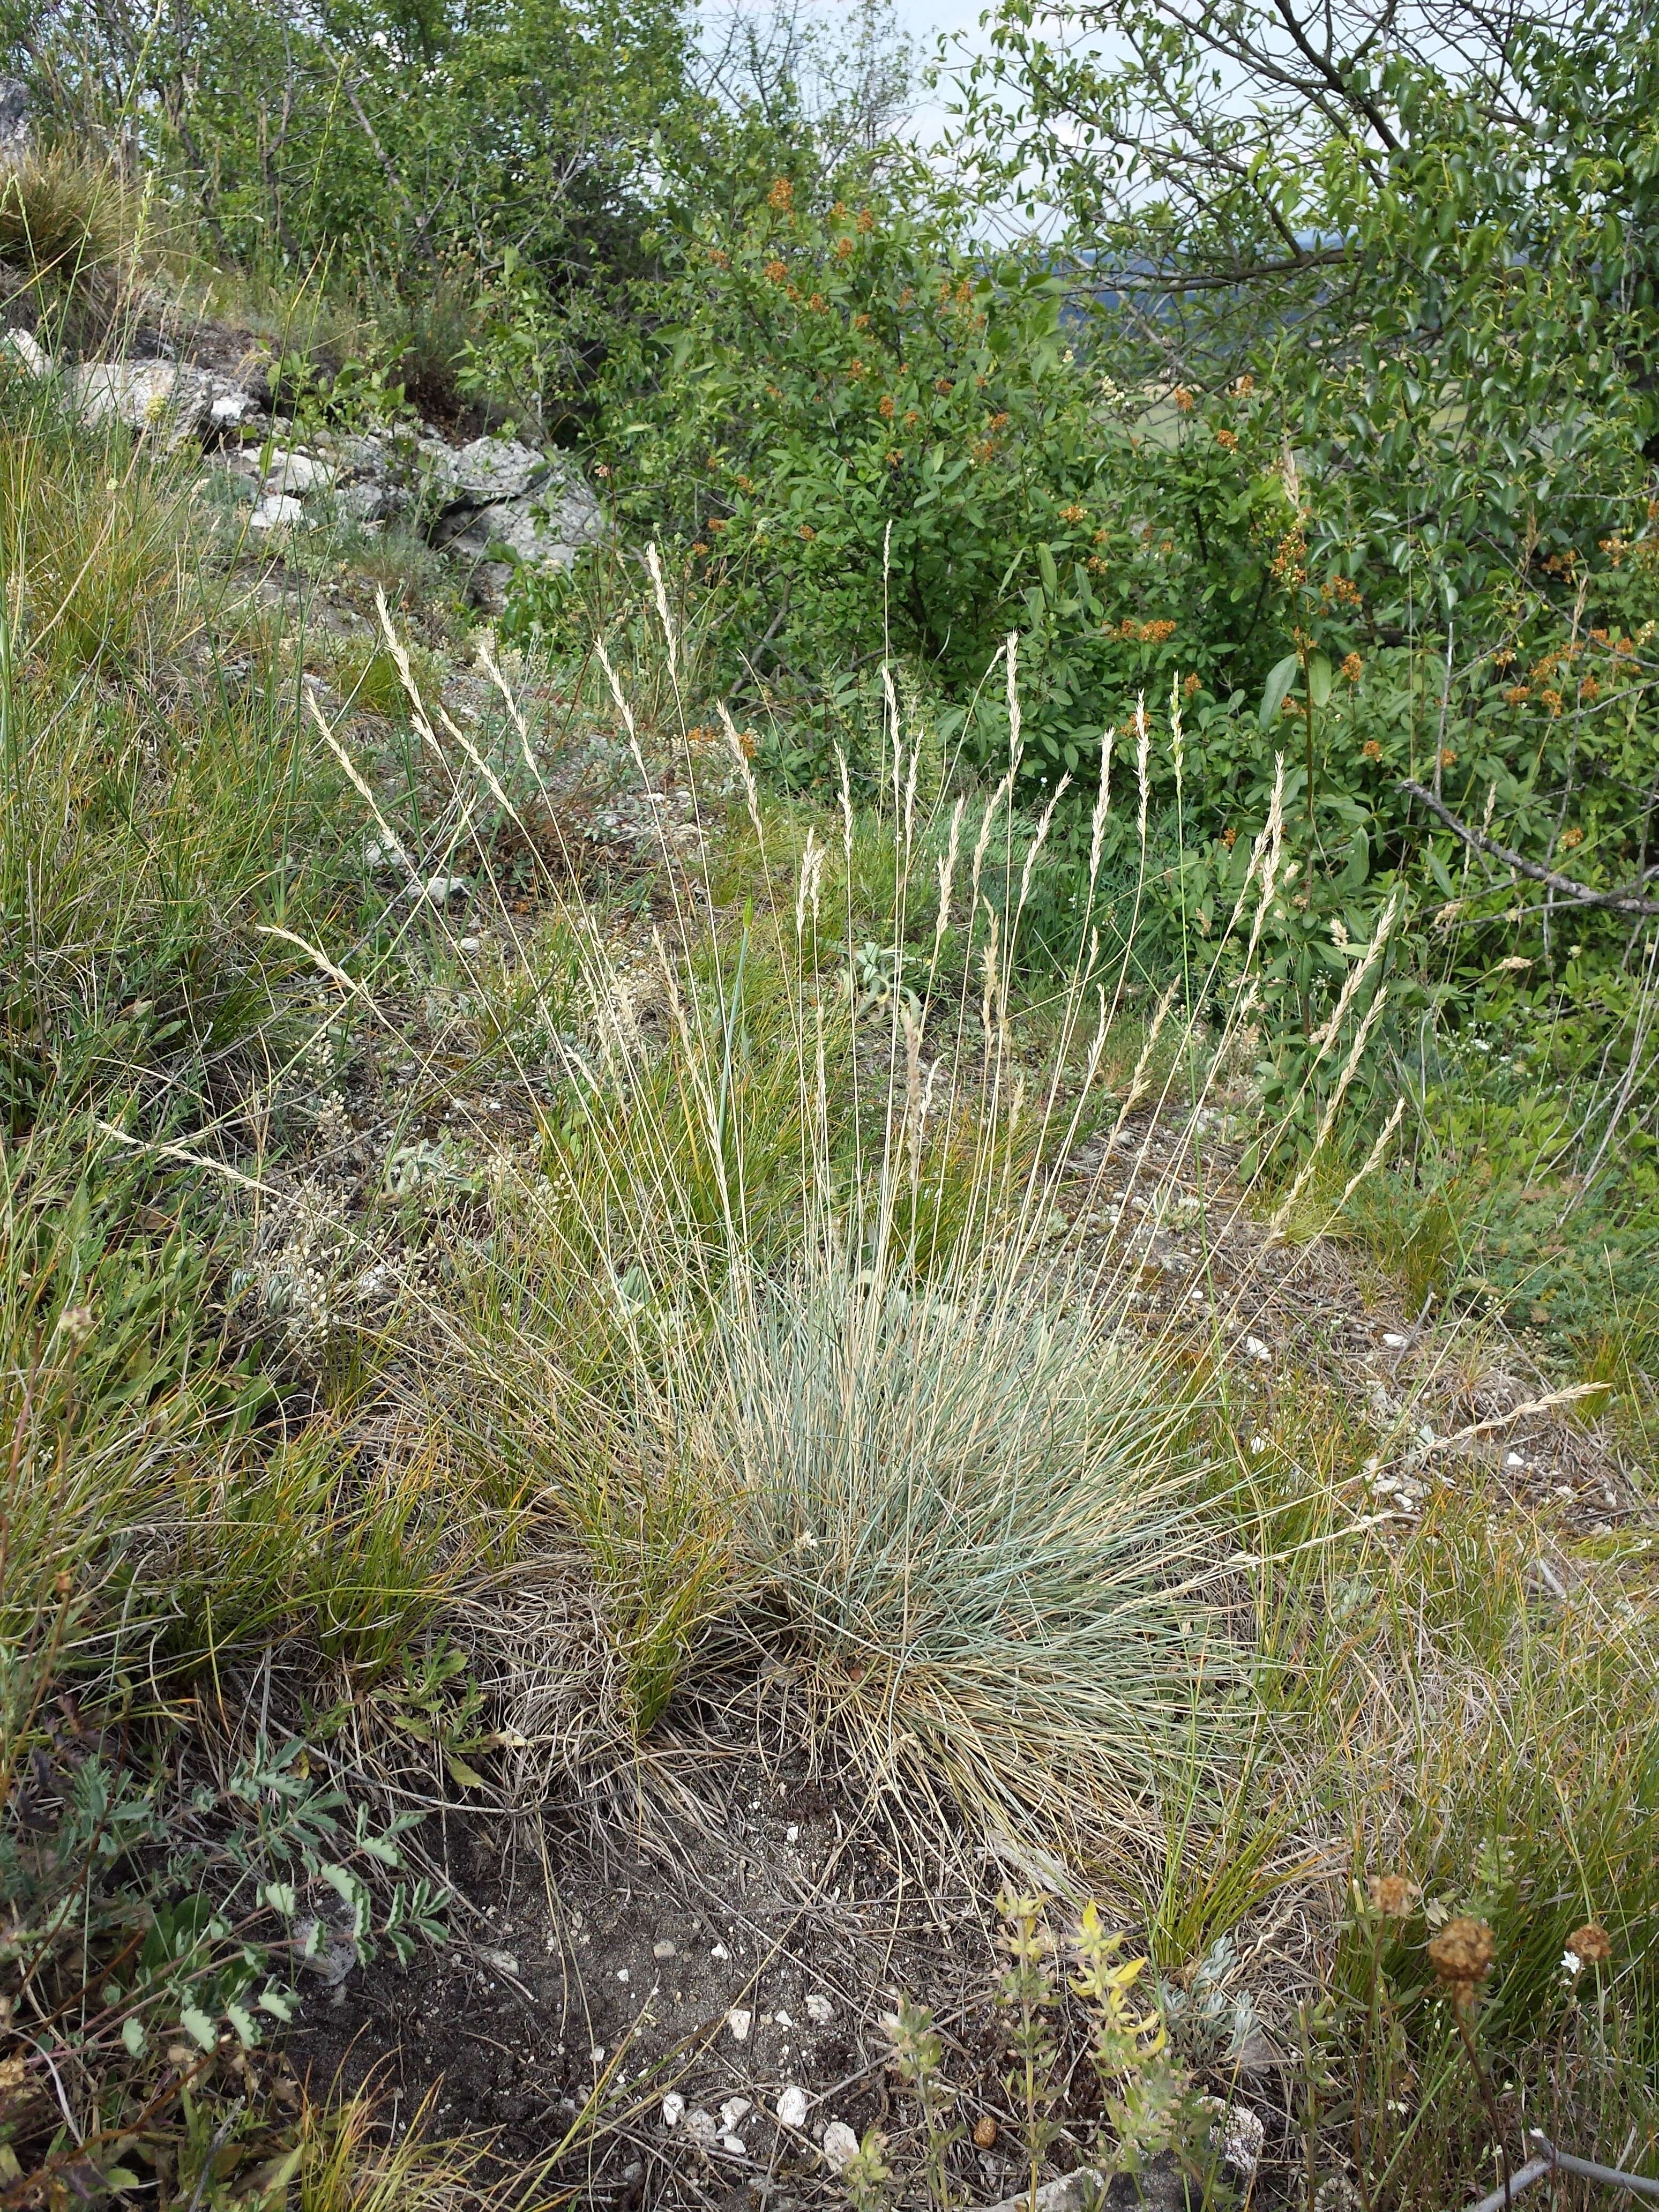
<point x="1392" y="1896"/>
<point x="1461" y="1955"/>
<point x="1591" y="1944"/>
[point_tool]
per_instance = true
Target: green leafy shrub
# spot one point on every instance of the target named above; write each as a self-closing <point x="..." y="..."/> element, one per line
<point x="859" y="436"/>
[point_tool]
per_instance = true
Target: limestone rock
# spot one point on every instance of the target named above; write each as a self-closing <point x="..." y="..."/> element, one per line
<point x="276" y="511"/>
<point x="296" y="472"/>
<point x="488" y="469"/>
<point x="169" y="399"/>
<point x="26" y="351"/>
<point x="14" y="119"/>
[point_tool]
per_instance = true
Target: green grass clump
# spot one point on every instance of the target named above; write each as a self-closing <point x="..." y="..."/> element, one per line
<point x="69" y="231"/>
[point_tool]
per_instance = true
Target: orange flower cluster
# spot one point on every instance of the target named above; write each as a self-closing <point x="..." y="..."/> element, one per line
<point x="844" y="249"/>
<point x="1139" y="633"/>
<point x="866" y="221"/>
<point x="1571" y="837"/>
<point x="1353" y="667"/>
<point x="1183" y="398"/>
<point x="816" y="305"/>
<point x="1371" y="750"/>
<point x="886" y="407"/>
<point x="720" y="259"/>
<point x="808" y="532"/>
<point x="1193" y="686"/>
<point x="1227" y="440"/>
<point x="1074" y="513"/>
<point x="774" y="271"/>
<point x="984" y="451"/>
<point x="781" y="198"/>
<point x="1516" y="695"/>
<point x="944" y="386"/>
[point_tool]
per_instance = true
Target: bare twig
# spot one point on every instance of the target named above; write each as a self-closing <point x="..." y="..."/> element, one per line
<point x="1628" y="900"/>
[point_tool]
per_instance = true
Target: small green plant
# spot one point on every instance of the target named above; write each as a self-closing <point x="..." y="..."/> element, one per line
<point x="1147" y="2104"/>
<point x="1027" y="1996"/>
<point x="146" y="1911"/>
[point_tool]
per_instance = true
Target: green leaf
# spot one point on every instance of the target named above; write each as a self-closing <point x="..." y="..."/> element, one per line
<point x="133" y="2035"/>
<point x="269" y="2183"/>
<point x="200" y="2029"/>
<point x="1048" y="571"/>
<point x="1319" y="679"/>
<point x="463" y="1775"/>
<point x="1279" y="684"/>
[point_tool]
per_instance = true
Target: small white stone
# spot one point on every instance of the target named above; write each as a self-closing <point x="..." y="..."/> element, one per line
<point x="1395" y="1343"/>
<point x="297" y="473"/>
<point x="1257" y="1349"/>
<point x="734" y="2110"/>
<point x="28" y="351"/>
<point x="719" y="1951"/>
<point x="674" y="2109"/>
<point x="621" y="1973"/>
<point x="739" y="2022"/>
<point x="1514" y="1460"/>
<point x="840" y="2146"/>
<point x="792" y="1835"/>
<point x="1243" y="2140"/>
<point x="700" y="2127"/>
<point x="437" y="890"/>
<point x="228" y="408"/>
<point x="735" y="2144"/>
<point x="820" y="2011"/>
<point x="276" y="511"/>
<point x="470" y="945"/>
<point x="597" y="2054"/>
<point x="783" y="2019"/>
<point x="662" y="1948"/>
<point x="792" y="2107"/>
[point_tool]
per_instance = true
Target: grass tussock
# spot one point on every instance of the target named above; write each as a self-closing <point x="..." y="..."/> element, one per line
<point x="71" y="230"/>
